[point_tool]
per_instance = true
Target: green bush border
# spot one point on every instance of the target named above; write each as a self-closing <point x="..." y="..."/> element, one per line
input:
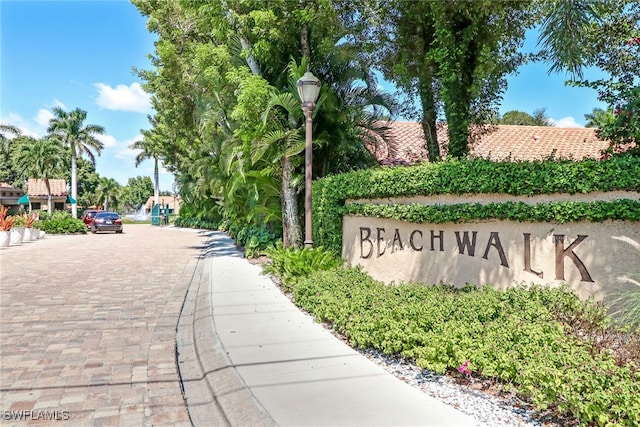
<point x="476" y="176"/>
<point x="543" y="343"/>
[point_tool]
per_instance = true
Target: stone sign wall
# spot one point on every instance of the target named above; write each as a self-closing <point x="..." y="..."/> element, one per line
<point x="595" y="259"/>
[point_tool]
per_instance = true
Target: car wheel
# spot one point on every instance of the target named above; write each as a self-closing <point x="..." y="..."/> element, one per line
<point x="119" y="231"/>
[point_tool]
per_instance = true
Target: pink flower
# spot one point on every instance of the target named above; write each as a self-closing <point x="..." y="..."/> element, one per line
<point x="464" y="368"/>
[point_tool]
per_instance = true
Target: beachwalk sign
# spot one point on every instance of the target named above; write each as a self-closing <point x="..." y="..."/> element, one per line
<point x="595" y="259"/>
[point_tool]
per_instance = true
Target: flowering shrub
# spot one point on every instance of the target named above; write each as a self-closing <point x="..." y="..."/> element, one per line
<point x="464" y="368"/>
<point x="624" y="130"/>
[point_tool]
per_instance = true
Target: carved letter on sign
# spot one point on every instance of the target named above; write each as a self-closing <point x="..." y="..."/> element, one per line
<point x="561" y="252"/>
<point x="465" y="244"/>
<point x="380" y="239"/>
<point x="527" y="256"/>
<point x="366" y="237"/>
<point x="413" y="245"/>
<point x="440" y="238"/>
<point x="396" y="239"/>
<point x="494" y="240"/>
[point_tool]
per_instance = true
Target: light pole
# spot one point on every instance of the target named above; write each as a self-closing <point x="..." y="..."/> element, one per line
<point x="308" y="89"/>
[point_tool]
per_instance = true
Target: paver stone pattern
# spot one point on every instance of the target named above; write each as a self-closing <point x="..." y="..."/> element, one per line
<point x="88" y="327"/>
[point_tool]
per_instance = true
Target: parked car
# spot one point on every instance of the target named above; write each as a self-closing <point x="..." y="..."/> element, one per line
<point x="106" y="221"/>
<point x="87" y="217"/>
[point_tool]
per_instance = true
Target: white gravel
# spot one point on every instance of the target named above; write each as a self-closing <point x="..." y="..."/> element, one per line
<point x="484" y="407"/>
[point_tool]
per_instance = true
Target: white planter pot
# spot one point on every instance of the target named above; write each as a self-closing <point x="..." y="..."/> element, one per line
<point x="5" y="238"/>
<point x="17" y="235"/>
<point x="42" y="234"/>
<point x="29" y="234"/>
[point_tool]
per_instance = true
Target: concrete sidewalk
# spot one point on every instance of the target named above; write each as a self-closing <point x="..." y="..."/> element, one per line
<point x="249" y="357"/>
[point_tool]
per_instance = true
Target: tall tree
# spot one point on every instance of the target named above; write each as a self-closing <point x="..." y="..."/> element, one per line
<point x="7" y="129"/>
<point x="606" y="36"/>
<point x="454" y="56"/>
<point x="107" y="193"/>
<point x="138" y="190"/>
<point x="598" y="118"/>
<point x="515" y="117"/>
<point x="41" y="159"/>
<point x="81" y="139"/>
<point x="7" y="172"/>
<point x="216" y="65"/>
<point x="150" y="147"/>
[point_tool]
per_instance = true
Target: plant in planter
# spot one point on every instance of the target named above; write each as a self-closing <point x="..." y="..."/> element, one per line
<point x="30" y="233"/>
<point x="6" y="223"/>
<point x="17" y="232"/>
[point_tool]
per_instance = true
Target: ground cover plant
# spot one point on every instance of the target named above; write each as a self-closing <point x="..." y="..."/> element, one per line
<point x="562" y="354"/>
<point x="290" y="264"/>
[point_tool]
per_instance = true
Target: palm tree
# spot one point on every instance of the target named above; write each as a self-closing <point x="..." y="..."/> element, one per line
<point x="107" y="192"/>
<point x="80" y="139"/>
<point x="41" y="159"/>
<point x="7" y="129"/>
<point x="150" y="150"/>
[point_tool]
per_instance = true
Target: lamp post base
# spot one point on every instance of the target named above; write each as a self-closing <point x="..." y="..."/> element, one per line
<point x="308" y="244"/>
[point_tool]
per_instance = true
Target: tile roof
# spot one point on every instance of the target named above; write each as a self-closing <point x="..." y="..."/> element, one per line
<point x="405" y="141"/>
<point x="37" y="187"/>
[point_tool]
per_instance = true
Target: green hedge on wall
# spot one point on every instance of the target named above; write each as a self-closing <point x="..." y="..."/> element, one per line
<point x="476" y="177"/>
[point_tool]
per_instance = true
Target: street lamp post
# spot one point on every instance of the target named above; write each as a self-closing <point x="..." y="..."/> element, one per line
<point x="308" y="89"/>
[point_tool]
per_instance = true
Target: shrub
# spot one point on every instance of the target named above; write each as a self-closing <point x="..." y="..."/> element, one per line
<point x="254" y="238"/>
<point x="60" y="222"/>
<point x="543" y="343"/>
<point x="20" y="220"/>
<point x="291" y="264"/>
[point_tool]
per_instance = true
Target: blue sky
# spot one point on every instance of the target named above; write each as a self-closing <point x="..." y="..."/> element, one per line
<point x="80" y="54"/>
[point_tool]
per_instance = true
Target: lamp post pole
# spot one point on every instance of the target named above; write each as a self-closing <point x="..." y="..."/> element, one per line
<point x="308" y="108"/>
<point x="308" y="89"/>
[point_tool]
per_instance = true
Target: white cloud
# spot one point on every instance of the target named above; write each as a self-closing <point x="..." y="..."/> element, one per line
<point x="43" y="117"/>
<point x="26" y="128"/>
<point x="107" y="140"/>
<point x="59" y="104"/>
<point x="566" y="122"/>
<point x="127" y="152"/>
<point x="123" y="98"/>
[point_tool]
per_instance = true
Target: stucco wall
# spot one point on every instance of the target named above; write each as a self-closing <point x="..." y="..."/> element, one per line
<point x="595" y="259"/>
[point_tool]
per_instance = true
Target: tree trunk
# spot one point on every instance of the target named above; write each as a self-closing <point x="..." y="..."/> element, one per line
<point x="291" y="231"/>
<point x="156" y="182"/>
<point x="49" y="204"/>
<point x="305" y="47"/>
<point x="251" y="61"/>
<point x="429" y="115"/>
<point x="74" y="184"/>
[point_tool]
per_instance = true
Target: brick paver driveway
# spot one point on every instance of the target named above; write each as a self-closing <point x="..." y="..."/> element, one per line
<point x="88" y="326"/>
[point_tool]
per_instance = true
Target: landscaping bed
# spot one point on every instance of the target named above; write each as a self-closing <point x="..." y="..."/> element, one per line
<point x="547" y="347"/>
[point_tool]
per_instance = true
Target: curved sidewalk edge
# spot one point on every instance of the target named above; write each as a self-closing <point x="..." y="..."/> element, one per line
<point x="214" y="393"/>
<point x="249" y="357"/>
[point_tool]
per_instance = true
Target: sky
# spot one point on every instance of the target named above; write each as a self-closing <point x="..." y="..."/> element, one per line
<point x="81" y="54"/>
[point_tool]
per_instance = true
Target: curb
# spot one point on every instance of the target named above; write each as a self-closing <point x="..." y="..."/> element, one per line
<point x="212" y="389"/>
